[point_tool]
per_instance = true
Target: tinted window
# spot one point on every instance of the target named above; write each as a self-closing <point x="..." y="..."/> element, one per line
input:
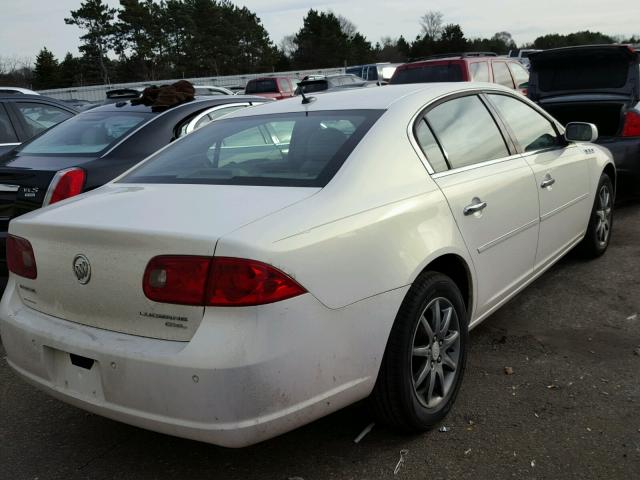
<point x="7" y="133"/>
<point x="430" y="147"/>
<point x="242" y="151"/>
<point x="311" y="86"/>
<point x="532" y="130"/>
<point x="39" y="116"/>
<point x="355" y="71"/>
<point x="520" y="74"/>
<point x="466" y="131"/>
<point x="267" y="85"/>
<point x="479" y="71"/>
<point x="501" y="74"/>
<point x="89" y="132"/>
<point x="429" y="73"/>
<point x="373" y="73"/>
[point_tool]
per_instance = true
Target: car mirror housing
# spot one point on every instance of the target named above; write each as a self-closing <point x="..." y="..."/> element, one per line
<point x="581" y="132"/>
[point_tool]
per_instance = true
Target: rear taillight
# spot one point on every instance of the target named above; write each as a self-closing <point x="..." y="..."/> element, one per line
<point x="66" y="183"/>
<point x="20" y="257"/>
<point x="217" y="281"/>
<point x="631" y="124"/>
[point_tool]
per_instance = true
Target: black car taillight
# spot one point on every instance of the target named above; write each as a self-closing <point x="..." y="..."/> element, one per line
<point x="65" y="184"/>
<point x="631" y="124"/>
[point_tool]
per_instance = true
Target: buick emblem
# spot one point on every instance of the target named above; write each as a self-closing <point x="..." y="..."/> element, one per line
<point x="82" y="269"/>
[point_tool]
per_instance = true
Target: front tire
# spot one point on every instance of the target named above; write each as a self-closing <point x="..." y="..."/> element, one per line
<point x="596" y="240"/>
<point x="423" y="364"/>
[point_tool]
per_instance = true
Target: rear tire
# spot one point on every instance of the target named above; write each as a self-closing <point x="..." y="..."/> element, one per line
<point x="423" y="364"/>
<point x="596" y="240"/>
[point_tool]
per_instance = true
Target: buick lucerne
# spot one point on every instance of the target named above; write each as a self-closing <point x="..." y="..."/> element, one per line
<point x="284" y="262"/>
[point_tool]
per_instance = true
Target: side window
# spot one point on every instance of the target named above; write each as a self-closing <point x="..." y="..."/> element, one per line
<point x="39" y="116"/>
<point x="520" y="74"/>
<point x="284" y="85"/>
<point x="479" y="71"/>
<point x="7" y="133"/>
<point x="501" y="74"/>
<point x="532" y="130"/>
<point x="467" y="132"/>
<point x="373" y="73"/>
<point x="430" y="147"/>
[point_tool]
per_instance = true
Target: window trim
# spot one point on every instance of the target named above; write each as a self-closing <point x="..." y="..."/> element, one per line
<point x="192" y="123"/>
<point x="512" y="134"/>
<point x="421" y="114"/>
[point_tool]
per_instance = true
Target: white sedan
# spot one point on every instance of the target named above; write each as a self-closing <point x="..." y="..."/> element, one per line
<point x="294" y="258"/>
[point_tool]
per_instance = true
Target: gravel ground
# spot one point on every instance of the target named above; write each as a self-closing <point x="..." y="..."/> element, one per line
<point x="570" y="409"/>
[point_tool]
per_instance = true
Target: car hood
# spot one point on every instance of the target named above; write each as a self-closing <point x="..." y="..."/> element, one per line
<point x="611" y="69"/>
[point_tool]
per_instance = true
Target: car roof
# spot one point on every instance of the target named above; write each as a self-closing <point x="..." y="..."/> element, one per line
<point x="411" y="96"/>
<point x="19" y="90"/>
<point x="126" y="106"/>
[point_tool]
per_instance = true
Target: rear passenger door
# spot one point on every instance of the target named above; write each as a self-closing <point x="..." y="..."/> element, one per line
<point x="561" y="172"/>
<point x="490" y="189"/>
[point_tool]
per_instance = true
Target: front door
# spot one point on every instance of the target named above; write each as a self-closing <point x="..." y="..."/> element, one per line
<point x="561" y="172"/>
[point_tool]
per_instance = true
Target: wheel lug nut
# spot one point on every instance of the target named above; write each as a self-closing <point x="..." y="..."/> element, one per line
<point x="439" y="359"/>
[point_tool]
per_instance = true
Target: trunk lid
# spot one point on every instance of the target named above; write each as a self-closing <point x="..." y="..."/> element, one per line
<point x="587" y="69"/>
<point x="119" y="229"/>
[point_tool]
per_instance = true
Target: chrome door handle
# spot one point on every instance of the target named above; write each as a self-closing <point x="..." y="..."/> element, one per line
<point x="477" y="205"/>
<point x="547" y="182"/>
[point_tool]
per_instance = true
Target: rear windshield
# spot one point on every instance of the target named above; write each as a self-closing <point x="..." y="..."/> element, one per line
<point x="451" y="72"/>
<point x="288" y="149"/>
<point x="314" y="86"/>
<point x="90" y="132"/>
<point x="262" y="86"/>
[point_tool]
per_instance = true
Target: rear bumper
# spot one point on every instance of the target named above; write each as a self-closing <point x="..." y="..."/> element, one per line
<point x="247" y="375"/>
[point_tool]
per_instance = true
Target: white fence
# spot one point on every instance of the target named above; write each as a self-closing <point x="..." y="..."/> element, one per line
<point x="96" y="93"/>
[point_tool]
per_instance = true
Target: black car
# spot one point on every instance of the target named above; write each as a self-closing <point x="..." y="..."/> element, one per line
<point x="598" y="84"/>
<point x="94" y="147"/>
<point x="25" y="116"/>
<point x="322" y="83"/>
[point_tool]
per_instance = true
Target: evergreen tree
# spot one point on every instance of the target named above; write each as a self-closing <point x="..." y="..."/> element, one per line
<point x="46" y="73"/>
<point x="96" y="18"/>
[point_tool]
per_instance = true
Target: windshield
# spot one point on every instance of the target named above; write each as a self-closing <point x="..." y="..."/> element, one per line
<point x="450" y="72"/>
<point x="289" y="149"/>
<point x="262" y="86"/>
<point x="90" y="132"/>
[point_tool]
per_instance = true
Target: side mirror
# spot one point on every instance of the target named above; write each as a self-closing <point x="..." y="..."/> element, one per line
<point x="581" y="132"/>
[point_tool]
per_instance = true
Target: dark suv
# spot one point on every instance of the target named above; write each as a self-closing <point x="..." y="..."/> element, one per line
<point x="464" y="67"/>
<point x="598" y="84"/>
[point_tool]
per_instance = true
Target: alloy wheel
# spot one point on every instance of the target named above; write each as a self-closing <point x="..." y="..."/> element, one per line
<point x="603" y="212"/>
<point x="435" y="354"/>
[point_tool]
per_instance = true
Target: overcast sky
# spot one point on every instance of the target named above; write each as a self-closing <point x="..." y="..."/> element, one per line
<point x="28" y="25"/>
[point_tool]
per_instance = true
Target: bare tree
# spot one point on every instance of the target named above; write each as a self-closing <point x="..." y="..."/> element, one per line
<point x="347" y="26"/>
<point x="288" y="45"/>
<point x="431" y="23"/>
